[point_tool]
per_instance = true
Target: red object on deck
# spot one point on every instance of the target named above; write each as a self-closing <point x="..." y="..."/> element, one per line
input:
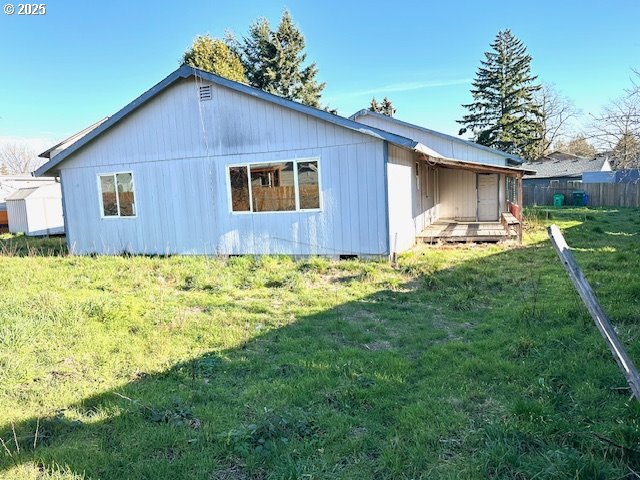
<point x="515" y="210"/>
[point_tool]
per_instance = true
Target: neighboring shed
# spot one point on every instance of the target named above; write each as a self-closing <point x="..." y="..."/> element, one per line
<point x="11" y="183"/>
<point x="36" y="211"/>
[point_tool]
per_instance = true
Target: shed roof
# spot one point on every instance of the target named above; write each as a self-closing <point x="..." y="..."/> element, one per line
<point x="185" y="72"/>
<point x="47" y="190"/>
<point x="21" y="193"/>
<point x="452" y="138"/>
<point x="569" y="167"/>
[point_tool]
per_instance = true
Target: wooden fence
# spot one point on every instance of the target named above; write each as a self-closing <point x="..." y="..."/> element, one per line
<point x="600" y="194"/>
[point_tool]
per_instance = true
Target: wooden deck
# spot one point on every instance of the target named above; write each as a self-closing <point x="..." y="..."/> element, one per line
<point x="452" y="231"/>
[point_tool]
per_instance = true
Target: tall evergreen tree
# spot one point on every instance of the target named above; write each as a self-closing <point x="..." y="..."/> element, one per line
<point x="374" y="106"/>
<point x="215" y="56"/>
<point x="503" y="114"/>
<point x="274" y="61"/>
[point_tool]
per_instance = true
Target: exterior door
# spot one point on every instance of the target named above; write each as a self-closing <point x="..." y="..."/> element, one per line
<point x="487" y="197"/>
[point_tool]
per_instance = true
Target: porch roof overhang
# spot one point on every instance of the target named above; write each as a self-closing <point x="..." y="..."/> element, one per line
<point x="432" y="157"/>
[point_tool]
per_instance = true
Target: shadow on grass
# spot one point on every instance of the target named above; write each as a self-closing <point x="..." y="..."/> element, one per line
<point x="473" y="371"/>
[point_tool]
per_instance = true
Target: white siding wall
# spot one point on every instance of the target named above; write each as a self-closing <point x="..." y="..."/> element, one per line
<point x="443" y="145"/>
<point x="458" y="194"/>
<point x="178" y="150"/>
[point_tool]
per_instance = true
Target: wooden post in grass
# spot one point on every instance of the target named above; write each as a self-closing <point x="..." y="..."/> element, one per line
<point x="599" y="317"/>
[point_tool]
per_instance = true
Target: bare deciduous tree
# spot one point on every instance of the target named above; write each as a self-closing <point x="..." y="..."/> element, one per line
<point x="617" y="128"/>
<point x="16" y="158"/>
<point x="557" y="113"/>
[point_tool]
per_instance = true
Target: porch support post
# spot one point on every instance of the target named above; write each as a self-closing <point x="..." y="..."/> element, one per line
<point x="521" y="207"/>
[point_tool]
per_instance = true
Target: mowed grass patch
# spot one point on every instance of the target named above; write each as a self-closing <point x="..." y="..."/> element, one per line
<point x="468" y="361"/>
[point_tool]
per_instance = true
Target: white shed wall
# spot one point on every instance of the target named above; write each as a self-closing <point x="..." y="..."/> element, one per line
<point x="178" y="150"/>
<point x="17" y="213"/>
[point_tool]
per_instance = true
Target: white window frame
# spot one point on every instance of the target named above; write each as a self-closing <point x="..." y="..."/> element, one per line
<point x="417" y="167"/>
<point x="135" y="196"/>
<point x="295" y="162"/>
<point x="574" y="183"/>
<point x="554" y="183"/>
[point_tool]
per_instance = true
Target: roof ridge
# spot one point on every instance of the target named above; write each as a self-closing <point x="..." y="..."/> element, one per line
<point x="185" y="72"/>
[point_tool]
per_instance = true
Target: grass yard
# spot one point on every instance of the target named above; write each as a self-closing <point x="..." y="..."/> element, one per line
<point x="462" y="363"/>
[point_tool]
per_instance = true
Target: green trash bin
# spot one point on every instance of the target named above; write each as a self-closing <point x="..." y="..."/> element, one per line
<point x="558" y="199"/>
<point x="578" y="198"/>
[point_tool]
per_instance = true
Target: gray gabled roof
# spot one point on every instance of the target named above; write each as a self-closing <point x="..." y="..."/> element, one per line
<point x="462" y="141"/>
<point x="571" y="167"/>
<point x="185" y="72"/>
<point x="73" y="138"/>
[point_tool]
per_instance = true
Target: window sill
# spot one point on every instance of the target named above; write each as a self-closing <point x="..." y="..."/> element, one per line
<point x="279" y="212"/>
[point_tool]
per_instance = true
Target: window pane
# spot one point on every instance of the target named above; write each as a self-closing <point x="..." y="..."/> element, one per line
<point x="308" y="185"/>
<point x="272" y="187"/>
<point x="239" y="189"/>
<point x="125" y="194"/>
<point x="108" y="192"/>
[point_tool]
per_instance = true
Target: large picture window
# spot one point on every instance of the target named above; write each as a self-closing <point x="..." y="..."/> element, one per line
<point x="117" y="196"/>
<point x="275" y="187"/>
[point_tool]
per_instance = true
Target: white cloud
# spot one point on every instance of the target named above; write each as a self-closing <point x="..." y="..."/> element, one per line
<point x="407" y="86"/>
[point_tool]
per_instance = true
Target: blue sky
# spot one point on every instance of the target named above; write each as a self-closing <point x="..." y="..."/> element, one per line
<point x="84" y="60"/>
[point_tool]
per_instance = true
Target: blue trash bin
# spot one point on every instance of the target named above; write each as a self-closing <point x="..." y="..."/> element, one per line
<point x="586" y="199"/>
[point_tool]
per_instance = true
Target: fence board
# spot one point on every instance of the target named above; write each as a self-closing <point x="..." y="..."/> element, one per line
<point x="600" y="194"/>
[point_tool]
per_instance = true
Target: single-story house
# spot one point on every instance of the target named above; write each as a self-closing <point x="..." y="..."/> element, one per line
<point x="200" y="164"/>
<point x="11" y="183"/>
<point x="614" y="176"/>
<point x="560" y="170"/>
<point x="36" y="211"/>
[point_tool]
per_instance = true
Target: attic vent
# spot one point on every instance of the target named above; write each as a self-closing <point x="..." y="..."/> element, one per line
<point x="205" y="93"/>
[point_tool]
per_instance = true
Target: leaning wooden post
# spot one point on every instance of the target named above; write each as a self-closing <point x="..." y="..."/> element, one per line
<point x="599" y="317"/>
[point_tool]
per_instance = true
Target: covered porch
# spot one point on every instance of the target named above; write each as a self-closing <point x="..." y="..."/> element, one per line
<point x="471" y="202"/>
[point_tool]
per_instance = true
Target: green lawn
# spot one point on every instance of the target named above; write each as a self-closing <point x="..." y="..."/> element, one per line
<point x="463" y="362"/>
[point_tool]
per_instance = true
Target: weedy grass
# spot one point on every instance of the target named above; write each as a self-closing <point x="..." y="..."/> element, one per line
<point x="468" y="361"/>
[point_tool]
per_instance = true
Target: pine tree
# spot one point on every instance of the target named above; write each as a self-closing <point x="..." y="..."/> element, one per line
<point x="387" y="107"/>
<point x="274" y="61"/>
<point x="374" y="106"/>
<point x="215" y="56"/>
<point x="503" y="114"/>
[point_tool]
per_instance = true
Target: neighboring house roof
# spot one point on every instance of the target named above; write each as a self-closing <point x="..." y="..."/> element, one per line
<point x="185" y="72"/>
<point x="572" y="167"/>
<point x="51" y="152"/>
<point x="452" y="138"/>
